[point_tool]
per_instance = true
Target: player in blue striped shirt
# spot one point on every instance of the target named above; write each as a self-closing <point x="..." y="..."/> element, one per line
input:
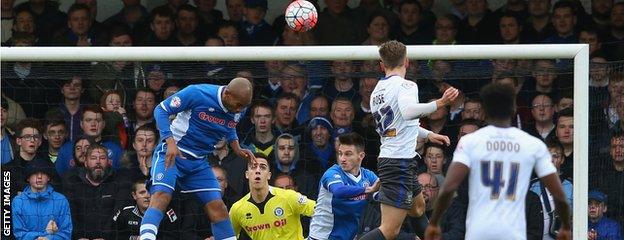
<point x="343" y="191"/>
<point x="205" y="114"/>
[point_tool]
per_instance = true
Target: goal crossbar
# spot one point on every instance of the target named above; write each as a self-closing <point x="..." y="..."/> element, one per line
<point x="578" y="52"/>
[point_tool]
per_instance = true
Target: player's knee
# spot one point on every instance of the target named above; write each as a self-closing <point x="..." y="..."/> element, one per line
<point x="216" y="210"/>
<point x="418" y="207"/>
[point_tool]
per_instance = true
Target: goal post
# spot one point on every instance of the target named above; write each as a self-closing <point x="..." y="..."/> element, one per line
<point x="578" y="52"/>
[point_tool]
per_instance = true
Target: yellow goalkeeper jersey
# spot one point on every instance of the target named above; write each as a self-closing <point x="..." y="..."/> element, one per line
<point x="278" y="217"/>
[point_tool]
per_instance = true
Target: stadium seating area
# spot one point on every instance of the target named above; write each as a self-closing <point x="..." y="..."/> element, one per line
<point x="49" y="110"/>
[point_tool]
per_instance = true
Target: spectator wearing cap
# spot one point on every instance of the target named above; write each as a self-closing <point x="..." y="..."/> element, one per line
<point x="318" y="144"/>
<point x="157" y="76"/>
<point x="6" y="137"/>
<point x="28" y="139"/>
<point x="39" y="211"/>
<point x="254" y="30"/>
<point x="599" y="226"/>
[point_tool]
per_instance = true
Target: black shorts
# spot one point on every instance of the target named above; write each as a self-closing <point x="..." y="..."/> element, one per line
<point x="399" y="182"/>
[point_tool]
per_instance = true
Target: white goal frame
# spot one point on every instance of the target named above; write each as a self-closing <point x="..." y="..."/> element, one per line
<point x="578" y="52"/>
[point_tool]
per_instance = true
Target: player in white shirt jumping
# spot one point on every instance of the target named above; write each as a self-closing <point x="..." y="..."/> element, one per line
<point x="499" y="160"/>
<point x="395" y="107"/>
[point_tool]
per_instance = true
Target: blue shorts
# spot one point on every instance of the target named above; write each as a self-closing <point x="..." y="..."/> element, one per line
<point x="192" y="175"/>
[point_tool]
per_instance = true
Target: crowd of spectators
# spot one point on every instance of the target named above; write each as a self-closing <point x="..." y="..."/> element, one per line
<point x="86" y="130"/>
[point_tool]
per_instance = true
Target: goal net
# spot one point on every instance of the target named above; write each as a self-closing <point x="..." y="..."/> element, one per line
<point x="334" y="83"/>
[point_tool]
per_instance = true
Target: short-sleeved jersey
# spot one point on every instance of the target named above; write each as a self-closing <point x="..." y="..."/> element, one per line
<point x="338" y="218"/>
<point x="501" y="161"/>
<point x="398" y="135"/>
<point x="279" y="219"/>
<point x="201" y="121"/>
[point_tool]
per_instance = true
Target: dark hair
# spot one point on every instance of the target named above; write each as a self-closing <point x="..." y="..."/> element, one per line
<point x="511" y="15"/>
<point x="150" y="128"/>
<point x="411" y="2"/>
<point x="89" y="139"/>
<point x="94" y="147"/>
<point x="499" y="101"/>
<point x="375" y="15"/>
<point x="117" y="30"/>
<point x="565" y="94"/>
<point x="23" y="37"/>
<point x="434" y="145"/>
<point x="90" y="108"/>
<point x="473" y="100"/>
<point x="287" y="96"/>
<point x="508" y="74"/>
<point x="188" y="8"/>
<point x="554" y="143"/>
<point x="27" y="123"/>
<point x="566" y="112"/>
<point x="470" y="121"/>
<point x="352" y="138"/>
<point x="139" y="180"/>
<point x="392" y="54"/>
<point x="564" y="4"/>
<point x="54" y="122"/>
<point x="144" y="89"/>
<point x="162" y="11"/>
<point x="262" y="104"/>
<point x="77" y="7"/>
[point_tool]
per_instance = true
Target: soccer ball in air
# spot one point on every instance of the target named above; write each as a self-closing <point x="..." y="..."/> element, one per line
<point x="301" y="16"/>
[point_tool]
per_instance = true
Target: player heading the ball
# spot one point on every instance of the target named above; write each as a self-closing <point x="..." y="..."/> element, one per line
<point x="205" y="114"/>
<point x="395" y="107"/>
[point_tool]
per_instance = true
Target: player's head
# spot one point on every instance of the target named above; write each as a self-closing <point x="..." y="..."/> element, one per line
<point x="237" y="95"/>
<point x="393" y="55"/>
<point x="499" y="101"/>
<point x="140" y="194"/>
<point x="350" y="152"/>
<point x="556" y="152"/>
<point x="259" y="173"/>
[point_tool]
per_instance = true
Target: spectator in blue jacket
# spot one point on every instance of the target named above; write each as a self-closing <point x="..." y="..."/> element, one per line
<point x="601" y="227"/>
<point x="92" y="124"/>
<point x="39" y="212"/>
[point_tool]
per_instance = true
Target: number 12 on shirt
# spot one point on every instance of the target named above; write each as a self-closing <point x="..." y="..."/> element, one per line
<point x="496" y="181"/>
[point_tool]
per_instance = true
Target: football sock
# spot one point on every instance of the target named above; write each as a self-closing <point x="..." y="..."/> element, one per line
<point x="149" y="224"/>
<point x="223" y="230"/>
